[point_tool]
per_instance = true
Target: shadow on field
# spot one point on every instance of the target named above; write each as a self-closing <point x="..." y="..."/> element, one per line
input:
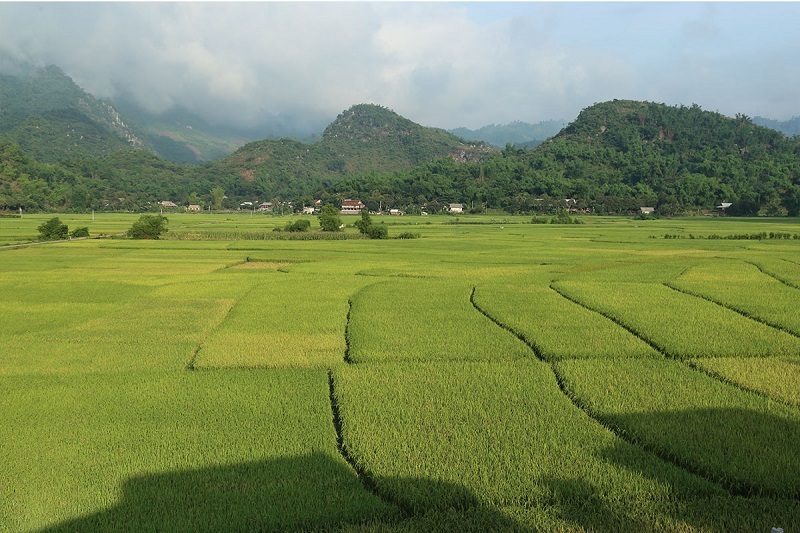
<point x="750" y="453"/>
<point x="309" y="493"/>
<point x="737" y="471"/>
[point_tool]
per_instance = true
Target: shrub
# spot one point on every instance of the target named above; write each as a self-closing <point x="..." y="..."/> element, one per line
<point x="409" y="235"/>
<point x="298" y="225"/>
<point x="562" y="217"/>
<point x="539" y="220"/>
<point x="148" y="227"/>
<point x="53" y="230"/>
<point x="378" y="231"/>
<point x="79" y="232"/>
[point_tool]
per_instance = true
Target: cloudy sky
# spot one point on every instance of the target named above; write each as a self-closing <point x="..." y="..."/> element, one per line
<point x="442" y="64"/>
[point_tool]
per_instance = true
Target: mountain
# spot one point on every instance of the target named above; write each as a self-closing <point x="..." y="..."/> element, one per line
<point x="789" y="127"/>
<point x="363" y="139"/>
<point x="52" y="118"/>
<point x="612" y="159"/>
<point x="519" y="134"/>
<point x="181" y="136"/>
<point x="620" y="154"/>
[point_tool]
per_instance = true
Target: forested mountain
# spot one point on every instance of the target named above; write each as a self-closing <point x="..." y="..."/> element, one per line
<point x="614" y="158"/>
<point x="363" y="139"/>
<point x="789" y="127"/>
<point x="51" y="118"/>
<point x="180" y="136"/>
<point x="520" y="134"/>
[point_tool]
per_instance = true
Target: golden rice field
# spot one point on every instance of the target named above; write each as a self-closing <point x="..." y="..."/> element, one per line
<point x="490" y="375"/>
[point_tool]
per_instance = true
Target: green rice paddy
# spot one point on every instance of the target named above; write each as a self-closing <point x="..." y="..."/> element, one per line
<point x="491" y="376"/>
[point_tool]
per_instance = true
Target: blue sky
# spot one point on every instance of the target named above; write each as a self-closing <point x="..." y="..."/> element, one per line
<point x="443" y="64"/>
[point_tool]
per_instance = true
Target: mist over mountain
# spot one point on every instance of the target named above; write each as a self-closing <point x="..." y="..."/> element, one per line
<point x="520" y="134"/>
<point x="789" y="127"/>
<point x="52" y="118"/>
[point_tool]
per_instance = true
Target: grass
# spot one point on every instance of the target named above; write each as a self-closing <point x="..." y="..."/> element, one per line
<point x="436" y="416"/>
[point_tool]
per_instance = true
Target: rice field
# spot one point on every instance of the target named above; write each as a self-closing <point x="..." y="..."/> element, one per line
<point x="491" y="375"/>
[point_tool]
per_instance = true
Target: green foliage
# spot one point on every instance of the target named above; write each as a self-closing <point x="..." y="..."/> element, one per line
<point x="378" y="231"/>
<point x="217" y="195"/>
<point x="297" y="225"/>
<point x="148" y="227"/>
<point x="329" y="219"/>
<point x="53" y="230"/>
<point x="364" y="223"/>
<point x="408" y="235"/>
<point x="448" y="413"/>
<point x="368" y="228"/>
<point x="743" y="440"/>
<point x="79" y="232"/>
<point x="562" y="217"/>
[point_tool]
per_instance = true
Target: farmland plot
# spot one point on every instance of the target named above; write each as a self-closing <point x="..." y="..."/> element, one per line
<point x="744" y="288"/>
<point x="776" y="377"/>
<point x="450" y="421"/>
<point x="186" y="451"/>
<point x="556" y="327"/>
<point x="518" y="446"/>
<point x="424" y="320"/>
<point x="747" y="442"/>
<point x="695" y="328"/>
<point x="785" y="269"/>
<point x="285" y="320"/>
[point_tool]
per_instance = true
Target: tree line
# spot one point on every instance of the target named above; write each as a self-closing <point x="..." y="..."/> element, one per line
<point x="614" y="158"/>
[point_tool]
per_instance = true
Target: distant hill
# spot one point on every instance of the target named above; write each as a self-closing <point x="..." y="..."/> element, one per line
<point x="789" y="127"/>
<point x="52" y="119"/>
<point x="519" y="134"/>
<point x="613" y="158"/>
<point x="365" y="138"/>
<point x="181" y="136"/>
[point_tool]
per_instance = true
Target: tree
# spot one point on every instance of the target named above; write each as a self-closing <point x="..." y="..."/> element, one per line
<point x="53" y="230"/>
<point x="373" y="231"/>
<point x="217" y="195"/>
<point x="148" y="227"/>
<point x="365" y="223"/>
<point x="329" y="219"/>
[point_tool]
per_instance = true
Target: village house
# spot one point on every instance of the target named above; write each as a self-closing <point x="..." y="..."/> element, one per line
<point x="308" y="210"/>
<point x="266" y="206"/>
<point x="352" y="207"/>
<point x="647" y="210"/>
<point x="167" y="203"/>
<point x="193" y="207"/>
<point x="455" y="208"/>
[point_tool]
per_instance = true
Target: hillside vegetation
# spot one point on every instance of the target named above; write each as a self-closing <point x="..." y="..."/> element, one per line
<point x="52" y="118"/>
<point x="615" y="157"/>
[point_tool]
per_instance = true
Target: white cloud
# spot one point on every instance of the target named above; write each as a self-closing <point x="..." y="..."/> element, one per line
<point x="439" y="64"/>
